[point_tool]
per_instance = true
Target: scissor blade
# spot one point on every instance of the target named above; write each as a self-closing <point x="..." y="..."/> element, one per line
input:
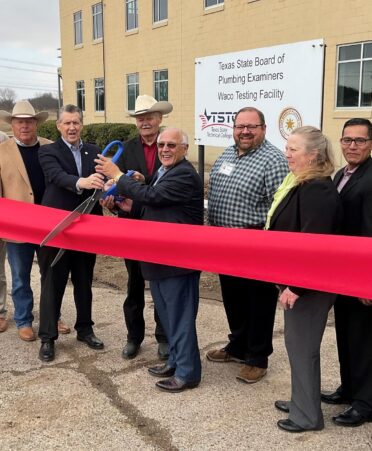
<point x="57" y="257"/>
<point x="91" y="201"/>
<point x="66" y="221"/>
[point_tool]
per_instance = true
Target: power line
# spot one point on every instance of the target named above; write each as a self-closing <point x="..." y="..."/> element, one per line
<point x="28" y="70"/>
<point x="27" y="83"/>
<point x="30" y="88"/>
<point x="27" y="62"/>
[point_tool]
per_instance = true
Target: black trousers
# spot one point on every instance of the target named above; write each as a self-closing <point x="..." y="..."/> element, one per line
<point x="250" y="307"/>
<point x="53" y="285"/>
<point x="354" y="344"/>
<point x="134" y="305"/>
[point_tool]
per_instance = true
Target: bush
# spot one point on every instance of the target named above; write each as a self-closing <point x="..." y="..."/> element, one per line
<point x="98" y="134"/>
<point x="48" y="130"/>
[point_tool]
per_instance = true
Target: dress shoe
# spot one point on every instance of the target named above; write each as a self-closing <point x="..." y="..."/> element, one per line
<point x="46" y="353"/>
<point x="91" y="340"/>
<point x="289" y="426"/>
<point x="283" y="406"/>
<point x="163" y="351"/>
<point x="63" y="328"/>
<point x="161" y="371"/>
<point x="130" y="350"/>
<point x="351" y="417"/>
<point x="3" y="324"/>
<point x="251" y="374"/>
<point x="222" y="356"/>
<point x="334" y="398"/>
<point x="175" y="385"/>
<point x="26" y="334"/>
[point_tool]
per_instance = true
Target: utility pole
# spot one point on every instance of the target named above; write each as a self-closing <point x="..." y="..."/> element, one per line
<point x="59" y="78"/>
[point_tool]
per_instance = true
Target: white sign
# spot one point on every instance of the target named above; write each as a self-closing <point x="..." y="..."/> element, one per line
<point x="285" y="82"/>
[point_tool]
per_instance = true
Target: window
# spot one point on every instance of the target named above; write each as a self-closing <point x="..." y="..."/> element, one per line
<point x="354" y="75"/>
<point x="132" y="90"/>
<point x="78" y="28"/>
<point x="97" y="21"/>
<point x="208" y="3"/>
<point x="161" y="84"/>
<point x="99" y="94"/>
<point x="160" y="10"/>
<point x="131" y="14"/>
<point x="80" y="94"/>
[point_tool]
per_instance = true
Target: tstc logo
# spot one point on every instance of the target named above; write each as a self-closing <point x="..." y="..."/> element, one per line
<point x="225" y="118"/>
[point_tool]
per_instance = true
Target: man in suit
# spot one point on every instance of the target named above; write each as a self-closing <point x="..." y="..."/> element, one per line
<point x="140" y="154"/>
<point x="22" y="179"/>
<point x="174" y="195"/>
<point x="68" y="166"/>
<point x="353" y="316"/>
<point x="242" y="184"/>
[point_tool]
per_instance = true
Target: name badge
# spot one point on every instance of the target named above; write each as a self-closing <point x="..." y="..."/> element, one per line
<point x="226" y="168"/>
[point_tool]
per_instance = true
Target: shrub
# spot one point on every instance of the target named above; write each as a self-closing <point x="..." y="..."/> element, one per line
<point x="98" y="134"/>
<point x="48" y="130"/>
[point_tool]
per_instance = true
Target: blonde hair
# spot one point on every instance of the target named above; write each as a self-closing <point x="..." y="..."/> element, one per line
<point x="322" y="165"/>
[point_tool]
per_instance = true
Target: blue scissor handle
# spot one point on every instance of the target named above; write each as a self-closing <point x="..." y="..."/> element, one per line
<point x="112" y="190"/>
<point x="117" y="153"/>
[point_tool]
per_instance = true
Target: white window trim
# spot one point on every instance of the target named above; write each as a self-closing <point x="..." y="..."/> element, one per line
<point x="361" y="59"/>
<point x="155" y="22"/>
<point x="74" y="23"/>
<point x="135" y="29"/>
<point x="99" y="39"/>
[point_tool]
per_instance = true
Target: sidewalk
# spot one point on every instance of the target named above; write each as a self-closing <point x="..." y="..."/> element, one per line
<point x="89" y="400"/>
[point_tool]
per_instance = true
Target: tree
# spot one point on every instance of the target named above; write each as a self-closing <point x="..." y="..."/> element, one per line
<point x="44" y="102"/>
<point x="7" y="99"/>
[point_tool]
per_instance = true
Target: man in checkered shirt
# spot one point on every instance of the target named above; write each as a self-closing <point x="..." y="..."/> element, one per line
<point x="242" y="185"/>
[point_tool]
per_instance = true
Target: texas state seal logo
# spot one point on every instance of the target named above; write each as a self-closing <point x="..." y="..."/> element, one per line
<point x="289" y="120"/>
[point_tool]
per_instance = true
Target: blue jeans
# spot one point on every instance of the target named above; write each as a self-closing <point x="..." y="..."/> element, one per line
<point x="2" y="280"/>
<point x="21" y="257"/>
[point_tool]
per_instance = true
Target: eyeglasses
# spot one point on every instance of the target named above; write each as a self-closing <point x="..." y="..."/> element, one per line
<point x="161" y="145"/>
<point x="358" y="141"/>
<point x="248" y="127"/>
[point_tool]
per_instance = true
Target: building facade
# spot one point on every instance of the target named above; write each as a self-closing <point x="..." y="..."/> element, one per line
<point x="116" y="49"/>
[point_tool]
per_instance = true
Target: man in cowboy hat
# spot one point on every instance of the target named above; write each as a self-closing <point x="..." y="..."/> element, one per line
<point x="3" y="310"/>
<point x="22" y="179"/>
<point x="140" y="154"/>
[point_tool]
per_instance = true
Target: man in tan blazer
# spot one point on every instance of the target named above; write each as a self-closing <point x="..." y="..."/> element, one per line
<point x="3" y="310"/>
<point x="22" y="179"/>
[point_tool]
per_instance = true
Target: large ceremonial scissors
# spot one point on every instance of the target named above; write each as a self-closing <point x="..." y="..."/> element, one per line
<point x="87" y="206"/>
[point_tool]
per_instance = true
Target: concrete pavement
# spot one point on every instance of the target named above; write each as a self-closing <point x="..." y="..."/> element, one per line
<point x="95" y="400"/>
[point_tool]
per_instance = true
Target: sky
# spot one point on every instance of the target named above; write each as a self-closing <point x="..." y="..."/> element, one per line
<point x="29" y="39"/>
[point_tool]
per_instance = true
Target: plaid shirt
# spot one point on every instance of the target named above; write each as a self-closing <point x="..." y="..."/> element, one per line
<point x="241" y="189"/>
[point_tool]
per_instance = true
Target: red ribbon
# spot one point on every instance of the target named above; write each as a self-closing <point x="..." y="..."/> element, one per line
<point x="331" y="263"/>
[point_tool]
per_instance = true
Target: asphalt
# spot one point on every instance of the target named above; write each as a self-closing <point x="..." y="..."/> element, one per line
<point x="95" y="400"/>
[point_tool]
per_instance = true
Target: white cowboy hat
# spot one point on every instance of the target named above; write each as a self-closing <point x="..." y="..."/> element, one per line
<point x="23" y="109"/>
<point x="147" y="104"/>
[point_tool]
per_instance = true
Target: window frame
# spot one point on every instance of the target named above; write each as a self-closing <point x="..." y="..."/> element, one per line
<point x="97" y="23"/>
<point x="135" y="14"/>
<point x="80" y="93"/>
<point x="361" y="60"/>
<point x="136" y="89"/>
<point x="98" y="96"/>
<point x="158" y="83"/>
<point x="216" y="3"/>
<point x="78" y="27"/>
<point x="156" y="7"/>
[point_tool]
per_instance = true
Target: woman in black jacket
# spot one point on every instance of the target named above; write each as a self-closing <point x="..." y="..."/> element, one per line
<point x="307" y="201"/>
